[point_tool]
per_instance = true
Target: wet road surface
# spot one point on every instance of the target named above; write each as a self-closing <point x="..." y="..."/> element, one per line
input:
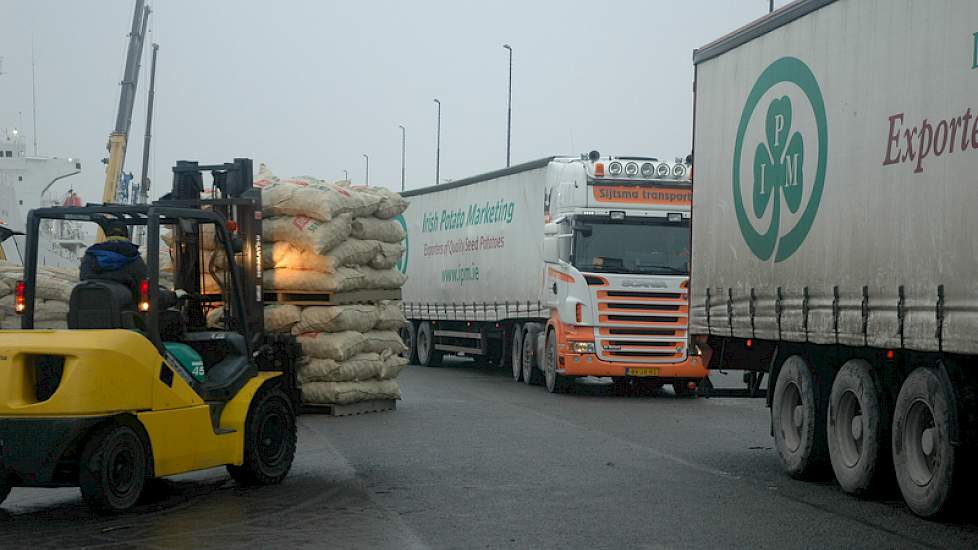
<point x="473" y="460"/>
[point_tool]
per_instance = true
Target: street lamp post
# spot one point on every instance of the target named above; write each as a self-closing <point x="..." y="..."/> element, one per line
<point x="403" y="135"/>
<point x="509" y="104"/>
<point x="346" y="174"/>
<point x="438" y="145"/>
<point x="366" y="159"/>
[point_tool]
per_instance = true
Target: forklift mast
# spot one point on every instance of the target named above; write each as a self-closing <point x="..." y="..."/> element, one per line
<point x="234" y="196"/>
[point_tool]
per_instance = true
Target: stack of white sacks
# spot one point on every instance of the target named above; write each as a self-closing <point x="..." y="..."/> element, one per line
<point x="52" y="293"/>
<point x="322" y="237"/>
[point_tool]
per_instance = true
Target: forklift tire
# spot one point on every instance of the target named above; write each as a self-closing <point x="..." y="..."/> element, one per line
<point x="269" y="440"/>
<point x="113" y="468"/>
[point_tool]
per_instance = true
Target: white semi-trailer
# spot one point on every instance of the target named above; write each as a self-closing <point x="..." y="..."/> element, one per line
<point x="834" y="235"/>
<point x="573" y="266"/>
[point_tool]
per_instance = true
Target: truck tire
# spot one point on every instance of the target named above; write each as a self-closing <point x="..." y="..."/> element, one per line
<point x="555" y="383"/>
<point x="681" y="388"/>
<point x="517" y="352"/>
<point x="113" y="467"/>
<point x="798" y="420"/>
<point x="857" y="430"/>
<point x="428" y="356"/>
<point x="531" y="371"/>
<point x="269" y="439"/>
<point x="4" y="490"/>
<point x="927" y="465"/>
<point x="409" y="333"/>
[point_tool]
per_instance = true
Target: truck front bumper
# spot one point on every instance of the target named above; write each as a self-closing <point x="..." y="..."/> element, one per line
<point x="31" y="449"/>
<point x="588" y="364"/>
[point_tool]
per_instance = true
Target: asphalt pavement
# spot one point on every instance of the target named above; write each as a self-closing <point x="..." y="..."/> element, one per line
<point x="471" y="459"/>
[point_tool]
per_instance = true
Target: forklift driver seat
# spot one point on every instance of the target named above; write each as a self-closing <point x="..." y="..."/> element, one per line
<point x="102" y="305"/>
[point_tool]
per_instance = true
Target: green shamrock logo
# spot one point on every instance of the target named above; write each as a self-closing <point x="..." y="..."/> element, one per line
<point x="778" y="163"/>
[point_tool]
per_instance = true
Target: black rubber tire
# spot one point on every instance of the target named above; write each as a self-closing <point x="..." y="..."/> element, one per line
<point x="799" y="422"/>
<point x="517" y="352"/>
<point x="269" y="439"/>
<point x="409" y="334"/>
<point x="857" y="430"/>
<point x="531" y="371"/>
<point x="647" y="386"/>
<point x="928" y="485"/>
<point x="113" y="469"/>
<point x="4" y="491"/>
<point x="428" y="356"/>
<point x="554" y="382"/>
<point x="681" y="388"/>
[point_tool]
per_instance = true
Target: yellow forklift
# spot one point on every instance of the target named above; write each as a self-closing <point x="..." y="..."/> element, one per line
<point x="135" y="390"/>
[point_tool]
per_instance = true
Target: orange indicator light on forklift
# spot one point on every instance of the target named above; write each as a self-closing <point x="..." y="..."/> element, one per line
<point x="19" y="304"/>
<point x="750" y="342"/>
<point x="232" y="226"/>
<point x="890" y="354"/>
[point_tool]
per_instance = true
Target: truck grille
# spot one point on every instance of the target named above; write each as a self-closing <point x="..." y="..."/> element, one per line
<point x="648" y="327"/>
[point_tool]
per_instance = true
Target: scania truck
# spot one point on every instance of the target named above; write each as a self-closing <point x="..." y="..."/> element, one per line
<point x="562" y="267"/>
<point x="834" y="236"/>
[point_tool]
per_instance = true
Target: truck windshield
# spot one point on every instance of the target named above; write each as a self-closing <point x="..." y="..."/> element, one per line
<point x="654" y="247"/>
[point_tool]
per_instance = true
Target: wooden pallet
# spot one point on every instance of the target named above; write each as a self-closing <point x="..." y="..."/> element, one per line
<point x="363" y="407"/>
<point x="312" y="298"/>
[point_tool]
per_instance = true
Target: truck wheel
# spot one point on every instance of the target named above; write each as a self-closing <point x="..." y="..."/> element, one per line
<point x="517" y="352"/>
<point x="556" y="383"/>
<point x="926" y="463"/>
<point x="112" y="470"/>
<point x="269" y="440"/>
<point x="409" y="333"/>
<point x="531" y="374"/>
<point x="681" y="388"/>
<point x="428" y="356"/>
<point x="856" y="430"/>
<point x="799" y="424"/>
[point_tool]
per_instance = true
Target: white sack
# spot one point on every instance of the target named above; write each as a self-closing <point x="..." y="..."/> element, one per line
<point x="338" y="346"/>
<point x="307" y="233"/>
<point x="374" y="229"/>
<point x="359" y="318"/>
<point x="344" y="393"/>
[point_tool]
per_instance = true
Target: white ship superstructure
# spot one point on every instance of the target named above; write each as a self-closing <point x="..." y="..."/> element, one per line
<point x="28" y="182"/>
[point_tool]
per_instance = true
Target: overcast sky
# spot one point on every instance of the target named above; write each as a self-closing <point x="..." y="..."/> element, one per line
<point x="309" y="86"/>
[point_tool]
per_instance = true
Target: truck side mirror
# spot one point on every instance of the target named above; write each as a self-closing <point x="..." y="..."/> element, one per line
<point x="551" y="249"/>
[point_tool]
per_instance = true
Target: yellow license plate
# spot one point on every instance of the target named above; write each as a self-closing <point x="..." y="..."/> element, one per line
<point x="642" y="372"/>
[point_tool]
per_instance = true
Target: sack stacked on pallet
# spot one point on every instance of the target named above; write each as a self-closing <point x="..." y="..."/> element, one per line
<point x="325" y="238"/>
<point x="52" y="294"/>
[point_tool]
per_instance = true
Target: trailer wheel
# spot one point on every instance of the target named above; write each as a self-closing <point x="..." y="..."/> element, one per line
<point x="269" y="440"/>
<point x="856" y="430"/>
<point x="409" y="334"/>
<point x="799" y="424"/>
<point x="556" y="383"/>
<point x="925" y="461"/>
<point x="428" y="356"/>
<point x="531" y="373"/>
<point x="517" y="352"/>
<point x="113" y="467"/>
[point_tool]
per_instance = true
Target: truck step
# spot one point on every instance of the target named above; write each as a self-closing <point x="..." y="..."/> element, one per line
<point x="313" y="298"/>
<point x="363" y="407"/>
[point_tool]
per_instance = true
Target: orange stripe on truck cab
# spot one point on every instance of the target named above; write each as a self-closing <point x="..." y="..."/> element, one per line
<point x="560" y="275"/>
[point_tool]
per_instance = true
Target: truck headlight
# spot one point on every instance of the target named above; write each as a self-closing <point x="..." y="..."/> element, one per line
<point x="662" y="170"/>
<point x="615" y="168"/>
<point x="582" y="347"/>
<point x="678" y="170"/>
<point x="648" y="170"/>
<point x="631" y="169"/>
